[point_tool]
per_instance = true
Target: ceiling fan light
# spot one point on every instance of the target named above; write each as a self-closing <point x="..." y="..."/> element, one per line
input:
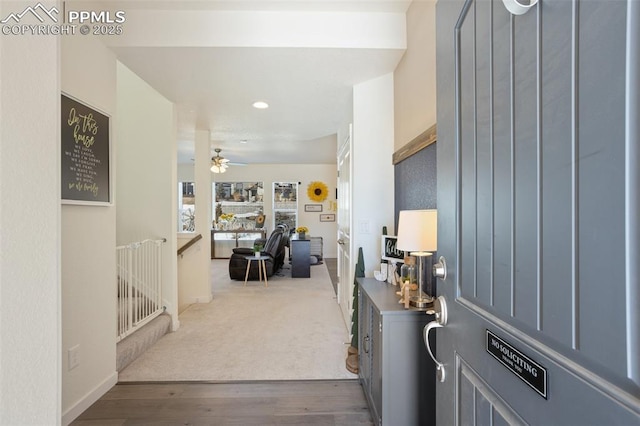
<point x="218" y="163"/>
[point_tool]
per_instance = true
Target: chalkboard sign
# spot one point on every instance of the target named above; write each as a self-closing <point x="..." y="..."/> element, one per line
<point x="85" y="154"/>
<point x="389" y="250"/>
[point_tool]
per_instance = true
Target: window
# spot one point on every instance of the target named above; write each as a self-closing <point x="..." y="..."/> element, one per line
<point x="238" y="205"/>
<point x="285" y="204"/>
<point x="186" y="207"/>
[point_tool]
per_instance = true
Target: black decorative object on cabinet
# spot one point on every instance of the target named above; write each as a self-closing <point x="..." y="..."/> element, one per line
<point x="300" y="258"/>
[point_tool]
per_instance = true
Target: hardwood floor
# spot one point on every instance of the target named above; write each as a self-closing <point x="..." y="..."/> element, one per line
<point x="317" y="402"/>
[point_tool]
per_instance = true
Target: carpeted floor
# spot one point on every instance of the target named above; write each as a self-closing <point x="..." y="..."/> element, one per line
<point x="292" y="330"/>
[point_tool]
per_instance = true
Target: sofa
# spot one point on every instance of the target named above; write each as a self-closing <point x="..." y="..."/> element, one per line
<point x="273" y="247"/>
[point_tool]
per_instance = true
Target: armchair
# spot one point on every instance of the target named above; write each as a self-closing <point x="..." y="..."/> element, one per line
<point x="274" y="248"/>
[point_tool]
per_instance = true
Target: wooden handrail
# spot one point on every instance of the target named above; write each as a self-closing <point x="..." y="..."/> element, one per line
<point x="189" y="244"/>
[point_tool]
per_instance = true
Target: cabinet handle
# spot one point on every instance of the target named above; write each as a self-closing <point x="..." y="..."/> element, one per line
<point x="366" y="345"/>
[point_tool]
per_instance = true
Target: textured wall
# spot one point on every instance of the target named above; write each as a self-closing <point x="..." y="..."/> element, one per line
<point x="29" y="218"/>
<point x="416" y="181"/>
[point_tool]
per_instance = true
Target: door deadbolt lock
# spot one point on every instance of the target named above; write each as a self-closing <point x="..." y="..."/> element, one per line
<point x="440" y="269"/>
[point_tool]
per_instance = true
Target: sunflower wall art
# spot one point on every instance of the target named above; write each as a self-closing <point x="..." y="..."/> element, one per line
<point x="317" y="191"/>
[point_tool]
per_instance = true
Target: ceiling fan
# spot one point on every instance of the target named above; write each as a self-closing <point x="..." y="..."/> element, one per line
<point x="218" y="163"/>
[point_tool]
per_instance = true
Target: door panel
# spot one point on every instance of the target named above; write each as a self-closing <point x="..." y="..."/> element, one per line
<point x="345" y="256"/>
<point x="479" y="403"/>
<point x="555" y="212"/>
<point x="376" y="360"/>
<point x="531" y="193"/>
<point x="364" y="342"/>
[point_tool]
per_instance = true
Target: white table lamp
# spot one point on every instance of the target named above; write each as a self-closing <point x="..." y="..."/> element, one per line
<point x="418" y="236"/>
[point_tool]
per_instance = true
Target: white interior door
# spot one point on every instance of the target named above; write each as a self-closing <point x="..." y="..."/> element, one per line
<point x="538" y="182"/>
<point x="345" y="256"/>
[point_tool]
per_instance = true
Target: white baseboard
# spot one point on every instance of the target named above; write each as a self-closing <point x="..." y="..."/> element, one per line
<point x="175" y="325"/>
<point x="81" y="406"/>
<point x="199" y="299"/>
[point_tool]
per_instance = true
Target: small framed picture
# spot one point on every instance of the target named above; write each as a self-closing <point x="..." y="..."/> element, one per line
<point x="313" y="207"/>
<point x="328" y="217"/>
<point x="389" y="249"/>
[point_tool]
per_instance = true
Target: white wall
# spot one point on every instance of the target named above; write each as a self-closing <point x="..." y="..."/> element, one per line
<point x="373" y="177"/>
<point x="304" y="173"/>
<point x="146" y="169"/>
<point x="205" y="26"/>
<point x="29" y="219"/>
<point x="197" y="287"/>
<point x="88" y="246"/>
<point x="186" y="173"/>
<point x="190" y="266"/>
<point x="415" y="75"/>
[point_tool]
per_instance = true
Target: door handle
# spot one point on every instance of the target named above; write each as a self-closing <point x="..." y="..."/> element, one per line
<point x="440" y="311"/>
<point x="341" y="241"/>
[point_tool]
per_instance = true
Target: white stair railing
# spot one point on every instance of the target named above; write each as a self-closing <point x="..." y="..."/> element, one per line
<point x="139" y="272"/>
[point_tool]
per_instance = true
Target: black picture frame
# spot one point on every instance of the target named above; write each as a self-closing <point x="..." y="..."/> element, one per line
<point x="85" y="139"/>
<point x="389" y="249"/>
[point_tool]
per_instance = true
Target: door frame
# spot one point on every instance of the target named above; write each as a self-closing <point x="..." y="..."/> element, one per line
<point x="345" y="267"/>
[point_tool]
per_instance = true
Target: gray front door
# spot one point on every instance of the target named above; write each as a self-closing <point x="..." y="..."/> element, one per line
<point x="538" y="187"/>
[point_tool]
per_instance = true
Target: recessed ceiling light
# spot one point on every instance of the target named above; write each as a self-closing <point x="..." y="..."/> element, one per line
<point x="260" y="105"/>
<point x="243" y="141"/>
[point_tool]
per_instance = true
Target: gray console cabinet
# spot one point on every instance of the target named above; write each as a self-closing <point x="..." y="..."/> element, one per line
<point x="395" y="370"/>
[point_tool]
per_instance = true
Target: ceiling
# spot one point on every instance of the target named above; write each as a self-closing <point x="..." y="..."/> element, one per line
<point x="308" y="90"/>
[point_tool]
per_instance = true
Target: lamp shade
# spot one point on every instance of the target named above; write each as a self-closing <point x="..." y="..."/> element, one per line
<point x="418" y="231"/>
<point x="218" y="168"/>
